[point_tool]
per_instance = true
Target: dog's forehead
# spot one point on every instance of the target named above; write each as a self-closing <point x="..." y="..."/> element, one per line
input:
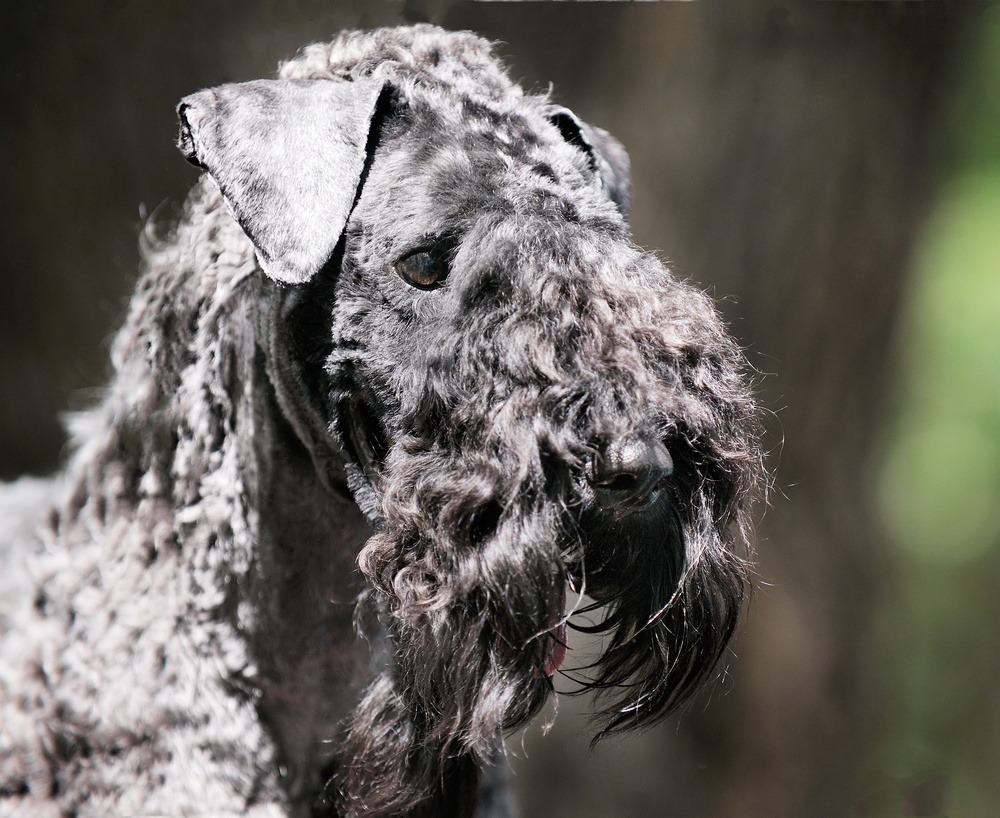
<point x="475" y="138"/>
<point x="461" y="159"/>
<point x="519" y="128"/>
<point x="505" y="145"/>
<point x="453" y="82"/>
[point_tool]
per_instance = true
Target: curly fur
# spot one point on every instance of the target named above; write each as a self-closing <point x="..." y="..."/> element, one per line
<point x="186" y="641"/>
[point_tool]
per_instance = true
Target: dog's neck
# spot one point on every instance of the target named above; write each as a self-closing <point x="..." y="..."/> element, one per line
<point x="304" y="589"/>
<point x="258" y="563"/>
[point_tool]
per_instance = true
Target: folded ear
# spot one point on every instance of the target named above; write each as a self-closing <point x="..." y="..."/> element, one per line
<point x="288" y="156"/>
<point x="608" y="157"/>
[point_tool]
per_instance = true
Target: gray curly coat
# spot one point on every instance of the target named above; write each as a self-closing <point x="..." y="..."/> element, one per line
<point x="180" y="610"/>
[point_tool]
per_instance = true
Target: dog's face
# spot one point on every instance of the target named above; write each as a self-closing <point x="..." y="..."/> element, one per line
<point x="530" y="409"/>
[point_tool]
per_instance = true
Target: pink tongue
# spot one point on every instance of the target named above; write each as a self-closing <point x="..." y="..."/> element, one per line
<point x="557" y="649"/>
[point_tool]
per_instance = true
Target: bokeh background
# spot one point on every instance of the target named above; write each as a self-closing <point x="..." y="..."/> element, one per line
<point x="829" y="171"/>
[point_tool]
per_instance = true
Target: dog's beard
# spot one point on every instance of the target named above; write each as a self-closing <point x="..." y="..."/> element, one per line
<point x="666" y="598"/>
<point x="469" y="585"/>
<point x="470" y="573"/>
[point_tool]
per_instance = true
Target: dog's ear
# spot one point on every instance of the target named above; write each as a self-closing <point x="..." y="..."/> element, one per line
<point x="289" y="157"/>
<point x="607" y="155"/>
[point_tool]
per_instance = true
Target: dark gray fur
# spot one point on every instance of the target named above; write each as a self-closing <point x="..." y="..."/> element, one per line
<point x="189" y="634"/>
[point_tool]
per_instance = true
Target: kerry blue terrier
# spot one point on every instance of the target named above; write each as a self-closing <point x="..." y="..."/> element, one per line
<point x="395" y="393"/>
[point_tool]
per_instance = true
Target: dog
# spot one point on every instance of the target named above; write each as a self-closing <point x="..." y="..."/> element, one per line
<point x="396" y="402"/>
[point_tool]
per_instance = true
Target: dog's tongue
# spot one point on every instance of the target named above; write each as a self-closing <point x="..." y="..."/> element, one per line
<point x="557" y="650"/>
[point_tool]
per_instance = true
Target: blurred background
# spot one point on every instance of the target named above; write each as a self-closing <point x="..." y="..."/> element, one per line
<point x="830" y="172"/>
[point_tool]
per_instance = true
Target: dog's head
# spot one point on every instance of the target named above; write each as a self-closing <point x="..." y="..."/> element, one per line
<point x="528" y="408"/>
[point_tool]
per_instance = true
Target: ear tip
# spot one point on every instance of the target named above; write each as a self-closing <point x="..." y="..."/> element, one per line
<point x="185" y="138"/>
<point x="284" y="273"/>
<point x="189" y="115"/>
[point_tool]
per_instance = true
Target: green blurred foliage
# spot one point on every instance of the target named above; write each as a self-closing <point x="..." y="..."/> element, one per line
<point x="938" y="485"/>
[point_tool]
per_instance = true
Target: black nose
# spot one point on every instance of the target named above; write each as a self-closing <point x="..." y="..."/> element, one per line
<point x="629" y="471"/>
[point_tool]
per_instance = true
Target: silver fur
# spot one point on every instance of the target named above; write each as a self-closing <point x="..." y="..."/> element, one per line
<point x="182" y="633"/>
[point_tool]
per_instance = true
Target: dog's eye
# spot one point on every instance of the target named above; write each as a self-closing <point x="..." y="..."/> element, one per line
<point x="424" y="269"/>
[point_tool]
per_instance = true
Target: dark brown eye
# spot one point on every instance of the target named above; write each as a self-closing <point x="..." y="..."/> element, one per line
<point x="425" y="269"/>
